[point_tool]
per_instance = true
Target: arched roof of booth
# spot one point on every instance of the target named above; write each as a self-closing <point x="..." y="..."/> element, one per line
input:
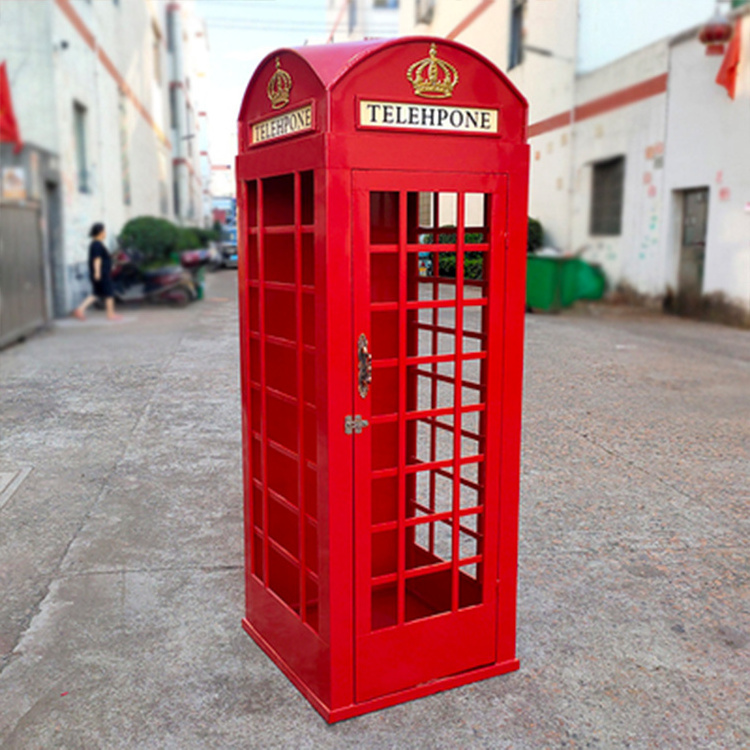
<point x="331" y="62"/>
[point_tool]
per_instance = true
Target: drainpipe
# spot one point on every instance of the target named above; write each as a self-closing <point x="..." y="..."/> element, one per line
<point x="573" y="140"/>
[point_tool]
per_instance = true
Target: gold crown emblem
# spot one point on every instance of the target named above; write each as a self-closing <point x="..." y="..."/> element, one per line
<point x="279" y="86"/>
<point x="433" y="77"/>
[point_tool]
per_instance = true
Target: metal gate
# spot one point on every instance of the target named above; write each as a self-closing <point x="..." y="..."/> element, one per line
<point x="22" y="290"/>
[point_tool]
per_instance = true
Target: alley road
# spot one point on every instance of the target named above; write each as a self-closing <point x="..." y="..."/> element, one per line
<point x="121" y="587"/>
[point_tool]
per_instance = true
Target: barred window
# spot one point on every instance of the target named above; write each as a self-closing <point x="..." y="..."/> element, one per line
<point x="606" y="197"/>
<point x="516" y="33"/>
<point x="80" y="126"/>
<point x="425" y="10"/>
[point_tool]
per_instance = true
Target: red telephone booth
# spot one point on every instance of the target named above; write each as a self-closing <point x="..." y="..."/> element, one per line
<point x="382" y="192"/>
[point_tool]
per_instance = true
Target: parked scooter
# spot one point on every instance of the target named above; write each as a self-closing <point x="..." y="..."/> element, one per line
<point x="208" y="257"/>
<point x="171" y="284"/>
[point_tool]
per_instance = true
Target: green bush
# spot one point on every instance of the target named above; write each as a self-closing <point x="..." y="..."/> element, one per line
<point x="473" y="261"/>
<point x="473" y="267"/>
<point x="159" y="240"/>
<point x="188" y="239"/>
<point x="535" y="237"/>
<point x="156" y="239"/>
<point x="447" y="264"/>
<point x="208" y="235"/>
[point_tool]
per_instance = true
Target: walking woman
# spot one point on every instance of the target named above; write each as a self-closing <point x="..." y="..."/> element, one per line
<point x="100" y="273"/>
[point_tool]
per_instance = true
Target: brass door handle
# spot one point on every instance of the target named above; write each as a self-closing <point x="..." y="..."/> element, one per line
<point x="364" y="365"/>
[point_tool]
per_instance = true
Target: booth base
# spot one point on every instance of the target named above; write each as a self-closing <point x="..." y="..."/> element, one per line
<point x="385" y="701"/>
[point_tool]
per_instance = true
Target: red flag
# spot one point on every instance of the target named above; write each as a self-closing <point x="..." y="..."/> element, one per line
<point x="727" y="76"/>
<point x="8" y="126"/>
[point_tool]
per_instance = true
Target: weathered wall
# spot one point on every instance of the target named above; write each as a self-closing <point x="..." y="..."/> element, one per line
<point x="637" y="132"/>
<point x="707" y="146"/>
<point x="101" y="55"/>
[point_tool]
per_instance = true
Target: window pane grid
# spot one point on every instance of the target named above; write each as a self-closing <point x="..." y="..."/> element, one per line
<point x="607" y="197"/>
<point x="435" y="533"/>
<point x="283" y="414"/>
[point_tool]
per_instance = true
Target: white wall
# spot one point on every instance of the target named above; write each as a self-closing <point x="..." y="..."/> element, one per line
<point x="709" y="146"/>
<point x="547" y="81"/>
<point x="691" y="136"/>
<point x="370" y="22"/>
<point x="488" y="35"/>
<point x="124" y="33"/>
<point x="637" y="132"/>
<point x="31" y="64"/>
<point x="51" y="67"/>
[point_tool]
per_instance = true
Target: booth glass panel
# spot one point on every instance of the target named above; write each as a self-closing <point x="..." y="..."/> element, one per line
<point x="384" y="217"/>
<point x="428" y="334"/>
<point x="281" y="315"/>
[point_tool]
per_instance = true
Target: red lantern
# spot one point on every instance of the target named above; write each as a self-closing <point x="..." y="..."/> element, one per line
<point x="715" y="34"/>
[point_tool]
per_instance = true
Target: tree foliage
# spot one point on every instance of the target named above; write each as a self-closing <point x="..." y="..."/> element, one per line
<point x="536" y="235"/>
<point x="158" y="240"/>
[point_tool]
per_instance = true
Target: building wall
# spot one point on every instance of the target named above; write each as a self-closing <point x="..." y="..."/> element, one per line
<point x="123" y="147"/>
<point x="31" y="59"/>
<point x="659" y="107"/>
<point x="707" y="146"/>
<point x="488" y="34"/>
<point x="545" y="76"/>
<point x="188" y="68"/>
<point x="111" y="59"/>
<point x="635" y="131"/>
<point x="352" y="20"/>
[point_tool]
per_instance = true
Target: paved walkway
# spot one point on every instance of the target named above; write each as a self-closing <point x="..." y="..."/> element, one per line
<point x="121" y="546"/>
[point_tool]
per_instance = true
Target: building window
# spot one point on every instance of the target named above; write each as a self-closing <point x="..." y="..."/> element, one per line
<point x="352" y="15"/>
<point x="176" y="192"/>
<point x="606" y="197"/>
<point x="425" y="11"/>
<point x="173" y="107"/>
<point x="385" y="4"/>
<point x="163" y="198"/>
<point x="170" y="30"/>
<point x="124" y="155"/>
<point x="516" y="33"/>
<point x="188" y="137"/>
<point x="79" y="125"/>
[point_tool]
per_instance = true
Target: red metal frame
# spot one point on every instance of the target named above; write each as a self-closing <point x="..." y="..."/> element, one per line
<point x="364" y="610"/>
<point x="478" y="620"/>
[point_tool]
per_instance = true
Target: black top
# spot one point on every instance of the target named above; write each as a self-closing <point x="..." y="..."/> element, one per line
<point x="97" y="250"/>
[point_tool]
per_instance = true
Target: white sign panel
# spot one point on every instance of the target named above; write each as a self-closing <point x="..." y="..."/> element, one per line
<point x="398" y="115"/>
<point x="14" y="183"/>
<point x="290" y="123"/>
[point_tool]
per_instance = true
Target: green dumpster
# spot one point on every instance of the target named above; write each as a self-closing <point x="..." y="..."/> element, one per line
<point x="553" y="283"/>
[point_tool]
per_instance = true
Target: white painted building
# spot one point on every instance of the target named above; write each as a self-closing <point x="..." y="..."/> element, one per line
<point x="223" y="183"/>
<point x="352" y="20"/>
<point x="632" y="159"/>
<point x="187" y="44"/>
<point x="91" y="83"/>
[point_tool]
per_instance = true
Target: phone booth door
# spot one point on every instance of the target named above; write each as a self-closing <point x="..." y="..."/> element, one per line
<point x="428" y="271"/>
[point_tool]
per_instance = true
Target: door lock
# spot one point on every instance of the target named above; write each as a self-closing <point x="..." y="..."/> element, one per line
<point x="364" y="365"/>
<point x="355" y="424"/>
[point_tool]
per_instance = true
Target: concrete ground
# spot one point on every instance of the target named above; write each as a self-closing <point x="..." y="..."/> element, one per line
<point x="121" y="546"/>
